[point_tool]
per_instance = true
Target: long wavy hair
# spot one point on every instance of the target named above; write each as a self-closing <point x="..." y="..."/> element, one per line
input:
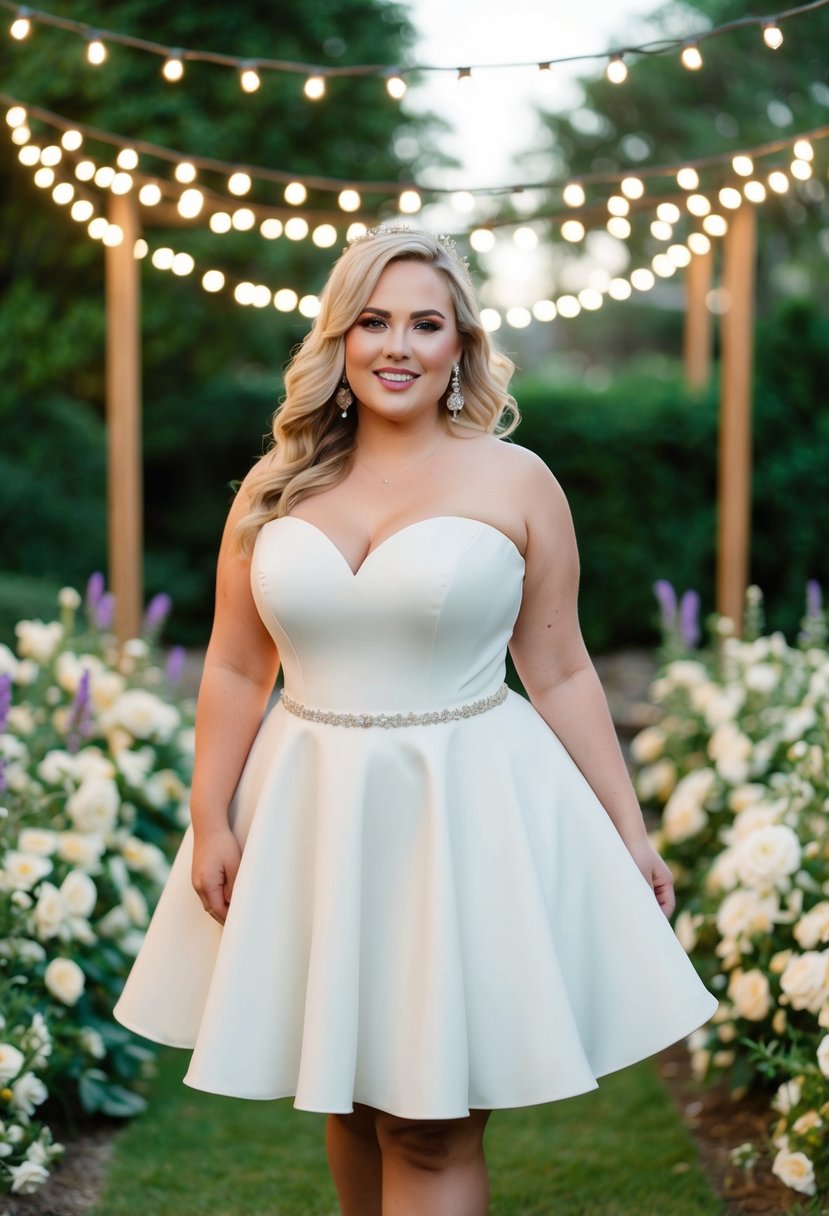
<point x="312" y="443"/>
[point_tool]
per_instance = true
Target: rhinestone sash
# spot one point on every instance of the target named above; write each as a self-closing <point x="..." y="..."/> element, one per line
<point x="430" y="718"/>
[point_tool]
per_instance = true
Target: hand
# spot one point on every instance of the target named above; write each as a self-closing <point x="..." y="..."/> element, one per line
<point x="216" y="860"/>
<point x="656" y="874"/>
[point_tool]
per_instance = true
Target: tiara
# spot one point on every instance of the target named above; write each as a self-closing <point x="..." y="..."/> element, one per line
<point x="395" y="227"/>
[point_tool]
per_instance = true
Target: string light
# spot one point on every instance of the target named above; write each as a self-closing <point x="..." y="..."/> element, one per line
<point x="309" y="306"/>
<point x="190" y="203"/>
<point x="21" y="135"/>
<point x="697" y="204"/>
<point x="642" y="279"/>
<point x="572" y="230"/>
<point x="213" y="280"/>
<point x="803" y="150"/>
<point x="97" y="227"/>
<point x="715" y="225"/>
<point x="687" y="179"/>
<point x="295" y="193"/>
<point x="113" y="235"/>
<point x="220" y="222"/>
<point x="525" y="238"/>
<point x="680" y="255"/>
<point x="185" y="172"/>
<point x="96" y="52"/>
<point x="482" y="239"/>
<point x="519" y="318"/>
<point x="410" y="202"/>
<point x="104" y="176"/>
<point x="632" y="187"/>
<point x="778" y="182"/>
<point x="355" y="231"/>
<point x="616" y="71"/>
<point x="162" y="258"/>
<point x="463" y="202"/>
<point x="314" y="88"/>
<point x="271" y="229"/>
<point x="661" y="230"/>
<point x="490" y="319"/>
<point x="140" y="249"/>
<point x="249" y="77"/>
<point x="349" y="200"/>
<point x="730" y="198"/>
<point x="82" y="210"/>
<point x="44" y="177"/>
<point x="617" y="205"/>
<point x="239" y="183"/>
<point x="71" y="140"/>
<point x="121" y="183"/>
<point x="285" y="299"/>
<point x="568" y="306"/>
<point x="755" y="192"/>
<point x="619" y="289"/>
<point x="544" y="310"/>
<point x="663" y="266"/>
<point x="801" y="169"/>
<point x="573" y="194"/>
<point x="743" y="166"/>
<point x="669" y="213"/>
<point x="243" y="219"/>
<point x="51" y="155"/>
<point x="173" y="68"/>
<point x="183" y="264"/>
<point x="16" y="116"/>
<point x="127" y="159"/>
<point x="324" y="236"/>
<point x="590" y="299"/>
<point x="296" y="229"/>
<point x="85" y="170"/>
<point x="772" y="35"/>
<point x="396" y="87"/>
<point x="21" y="27"/>
<point x="619" y="227"/>
<point x="699" y="243"/>
<point x="691" y="57"/>
<point x="149" y="195"/>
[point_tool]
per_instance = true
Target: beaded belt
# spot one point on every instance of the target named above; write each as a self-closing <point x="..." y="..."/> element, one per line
<point x="332" y="718"/>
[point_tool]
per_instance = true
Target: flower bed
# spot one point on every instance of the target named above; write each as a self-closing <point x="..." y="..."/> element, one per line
<point x="739" y="762"/>
<point x="94" y="762"/>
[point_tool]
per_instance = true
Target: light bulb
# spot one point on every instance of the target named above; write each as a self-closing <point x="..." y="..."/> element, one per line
<point x="16" y="116"/>
<point x="71" y="140"/>
<point x="755" y="192"/>
<point x="85" y="170"/>
<point x="396" y="87"/>
<point x="687" y="178"/>
<point x="261" y="296"/>
<point x="349" y="200"/>
<point x="617" y="205"/>
<point x="699" y="243"/>
<point x="295" y="193"/>
<point x="127" y="159"/>
<point x="616" y="71"/>
<point x="519" y="318"/>
<point x="140" y="249"/>
<point x="249" y="77"/>
<point x="572" y="230"/>
<point x="149" y="195"/>
<point x="642" y="280"/>
<point x="309" y="306"/>
<point x="525" y="238"/>
<point x="778" y="182"/>
<point x="544" y="310"/>
<point x="51" y="155"/>
<point x="243" y="293"/>
<point x="29" y="155"/>
<point x="632" y="187"/>
<point x="97" y="227"/>
<point x="801" y="169"/>
<point x="121" y="183"/>
<point x="697" y="204"/>
<point x="183" y="264"/>
<point x="314" y="88"/>
<point x="213" y="280"/>
<point x="463" y="201"/>
<point x="190" y="203"/>
<point x="63" y="193"/>
<point x="730" y="198"/>
<point x="324" y="236"/>
<point x="296" y="228"/>
<point x="271" y="229"/>
<point x="680" y="255"/>
<point x="573" y="194"/>
<point x="482" y="239"/>
<point x="96" y="52"/>
<point x="409" y="202"/>
<point x="104" y="176"/>
<point x="691" y="58"/>
<point x="185" y="172"/>
<point x="114" y="235"/>
<point x="239" y="183"/>
<point x="662" y="230"/>
<point x="20" y="28"/>
<point x="82" y="210"/>
<point x="743" y="166"/>
<point x="590" y="299"/>
<point x="619" y="227"/>
<point x="285" y="299"/>
<point x="21" y="135"/>
<point x="803" y="150"/>
<point x="663" y="265"/>
<point x="163" y="258"/>
<point x="568" y="306"/>
<point x="355" y="231"/>
<point x="220" y="222"/>
<point x="715" y="225"/>
<point x="243" y="219"/>
<point x="772" y="35"/>
<point x="173" y="68"/>
<point x="619" y="289"/>
<point x="669" y="212"/>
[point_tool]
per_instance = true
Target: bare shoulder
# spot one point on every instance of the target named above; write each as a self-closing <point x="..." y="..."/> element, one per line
<point x="525" y="476"/>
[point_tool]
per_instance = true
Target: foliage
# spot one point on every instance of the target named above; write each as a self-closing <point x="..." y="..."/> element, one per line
<point x="94" y="759"/>
<point x="740" y="760"/>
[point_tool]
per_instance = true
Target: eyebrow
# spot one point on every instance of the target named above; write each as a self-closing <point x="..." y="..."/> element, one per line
<point x="425" y="312"/>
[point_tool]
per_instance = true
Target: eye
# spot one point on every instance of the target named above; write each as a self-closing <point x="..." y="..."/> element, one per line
<point x="372" y="322"/>
<point x="429" y="326"/>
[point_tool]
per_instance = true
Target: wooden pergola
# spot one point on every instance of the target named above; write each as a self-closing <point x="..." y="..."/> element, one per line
<point x="123" y="390"/>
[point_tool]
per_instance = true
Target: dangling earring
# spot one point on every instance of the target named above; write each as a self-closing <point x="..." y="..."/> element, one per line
<point x="454" y="401"/>
<point x="344" y="397"/>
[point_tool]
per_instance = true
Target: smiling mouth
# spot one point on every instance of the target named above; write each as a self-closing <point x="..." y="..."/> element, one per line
<point x="396" y="377"/>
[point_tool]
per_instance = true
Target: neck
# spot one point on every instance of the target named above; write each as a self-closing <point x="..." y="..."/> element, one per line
<point x="393" y="442"/>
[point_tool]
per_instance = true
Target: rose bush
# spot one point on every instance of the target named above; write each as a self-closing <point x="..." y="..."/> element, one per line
<point x="738" y="765"/>
<point x="95" y="752"/>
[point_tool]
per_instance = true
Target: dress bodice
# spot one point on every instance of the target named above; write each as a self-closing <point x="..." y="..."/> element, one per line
<point x="423" y="623"/>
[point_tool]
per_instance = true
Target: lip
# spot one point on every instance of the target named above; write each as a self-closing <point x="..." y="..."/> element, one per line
<point x="395" y="386"/>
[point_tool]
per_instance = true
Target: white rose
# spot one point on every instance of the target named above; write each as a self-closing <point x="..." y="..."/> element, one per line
<point x="144" y="715"/>
<point x="49" y="913"/>
<point x="797" y="722"/>
<point x="743" y="796"/>
<point x="81" y="849"/>
<point x="70" y="667"/>
<point x="106" y="688"/>
<point x="39" y="1039"/>
<point x="8" y="663"/>
<point x="722" y="875"/>
<point x="805" y="980"/>
<point x="823" y="1055"/>
<point x="731" y="751"/>
<point x="163" y="787"/>
<point x="760" y="815"/>
<point x="751" y="995"/>
<point x="11" y="1062"/>
<point x="807" y="1123"/>
<point x="57" y="768"/>
<point x="38" y="641"/>
<point x="656" y="781"/>
<point x="79" y="893"/>
<point x="29" y="951"/>
<point x="146" y="858"/>
<point x="65" y="980"/>
<point x="685" y="673"/>
<point x="767" y="856"/>
<point x="94" y="805"/>
<point x="28" y="1092"/>
<point x="746" y="913"/>
<point x="135" y="905"/>
<point x="114" y="923"/>
<point x="22" y="870"/>
<point x="91" y="762"/>
<point x="134" y="766"/>
<point x="27" y="1177"/>
<point x="787" y="1097"/>
<point x="761" y="677"/>
<point x="37" y="840"/>
<point x="795" y="1170"/>
<point x="22" y="719"/>
<point x="648" y="745"/>
<point x="92" y="1043"/>
<point x="69" y="598"/>
<point x="813" y="928"/>
<point x="684" y="815"/>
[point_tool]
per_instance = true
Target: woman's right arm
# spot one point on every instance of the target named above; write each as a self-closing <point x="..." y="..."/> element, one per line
<point x="240" y="669"/>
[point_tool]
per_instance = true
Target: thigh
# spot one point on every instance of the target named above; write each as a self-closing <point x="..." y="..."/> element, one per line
<point x="433" y="1137"/>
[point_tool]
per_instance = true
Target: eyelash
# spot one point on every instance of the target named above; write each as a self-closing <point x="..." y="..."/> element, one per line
<point x="427" y="326"/>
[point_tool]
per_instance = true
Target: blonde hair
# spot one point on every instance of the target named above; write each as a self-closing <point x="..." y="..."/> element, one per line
<point x="312" y="443"/>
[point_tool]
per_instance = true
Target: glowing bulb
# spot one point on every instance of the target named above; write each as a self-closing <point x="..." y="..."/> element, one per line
<point x="743" y="166"/>
<point x="803" y="150"/>
<point x="44" y="177"/>
<point x="51" y="155"/>
<point x="730" y="198"/>
<point x="163" y="258"/>
<point x="572" y="230"/>
<point x="619" y="289"/>
<point x="691" y="57"/>
<point x="243" y="293"/>
<point x="239" y="183"/>
<point x="149" y="195"/>
<point x="755" y="192"/>
<point x="190" y="203"/>
<point x="296" y="228"/>
<point x="261" y="296"/>
<point x="396" y="87"/>
<point x="285" y="300"/>
<point x="778" y="182"/>
<point x="220" y="222"/>
<point x="697" y="204"/>
<point x="482" y="239"/>
<point x="314" y="88"/>
<point x="616" y="71"/>
<point x="127" y="159"/>
<point x="525" y="238"/>
<point x="772" y="35"/>
<point x="82" y="210"/>
<point x="590" y="299"/>
<point x="243" y="219"/>
<point x="97" y="227"/>
<point x="121" y="183"/>
<point x="114" y="235"/>
<point x="173" y="68"/>
<point x="16" y="116"/>
<point x="680" y="255"/>
<point x="544" y="310"/>
<point x="71" y="140"/>
<point x="249" y="77"/>
<point x="213" y="280"/>
<point x="715" y="225"/>
<point x="96" y="52"/>
<point x="409" y="202"/>
<point x="573" y="194"/>
<point x="668" y="212"/>
<point x="519" y="318"/>
<point x="619" y="227"/>
<point x="140" y="249"/>
<point x="85" y="170"/>
<point x="271" y="229"/>
<point x="699" y="243"/>
<point x="309" y="306"/>
<point x="183" y="264"/>
<point x="463" y="201"/>
<point x="662" y="230"/>
<point x="349" y="200"/>
<point x="355" y="230"/>
<point x="63" y="193"/>
<point x="21" y="135"/>
<point x="801" y="169"/>
<point x="617" y="205"/>
<point x="29" y="155"/>
<point x="632" y="187"/>
<point x="663" y="265"/>
<point x="490" y="319"/>
<point x="295" y="193"/>
<point x="185" y="172"/>
<point x="568" y="306"/>
<point x="687" y="179"/>
<point x="324" y="235"/>
<point x="20" y="28"/>
<point x="642" y="280"/>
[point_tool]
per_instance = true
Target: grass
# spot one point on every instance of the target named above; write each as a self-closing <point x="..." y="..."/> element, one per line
<point x="619" y="1151"/>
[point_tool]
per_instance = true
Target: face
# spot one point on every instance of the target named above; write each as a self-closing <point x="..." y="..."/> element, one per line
<point x="399" y="352"/>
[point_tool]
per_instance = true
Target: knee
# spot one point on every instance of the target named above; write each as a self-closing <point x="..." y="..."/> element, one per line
<point x="358" y="1123"/>
<point x="430" y="1145"/>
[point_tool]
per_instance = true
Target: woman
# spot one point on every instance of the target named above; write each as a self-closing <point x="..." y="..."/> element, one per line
<point x="419" y="895"/>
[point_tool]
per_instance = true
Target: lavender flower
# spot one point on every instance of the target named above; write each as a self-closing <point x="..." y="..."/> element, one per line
<point x="814" y="598"/>
<point x="175" y="664"/>
<point x="689" y="629"/>
<point x="80" y="716"/>
<point x="157" y="612"/>
<point x="94" y="591"/>
<point x="666" y="596"/>
<point x="104" y="611"/>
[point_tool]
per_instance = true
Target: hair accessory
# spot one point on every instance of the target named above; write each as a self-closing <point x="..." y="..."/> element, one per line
<point x="397" y="228"/>
<point x="344" y="397"/>
<point x="455" y="401"/>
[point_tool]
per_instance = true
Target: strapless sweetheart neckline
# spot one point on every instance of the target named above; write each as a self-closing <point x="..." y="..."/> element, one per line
<point x="400" y="532"/>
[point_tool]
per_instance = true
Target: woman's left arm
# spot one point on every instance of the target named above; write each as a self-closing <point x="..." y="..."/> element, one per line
<point x="553" y="664"/>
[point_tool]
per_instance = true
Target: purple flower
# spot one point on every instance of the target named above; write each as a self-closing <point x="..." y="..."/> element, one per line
<point x="666" y="596"/>
<point x="814" y="598"/>
<point x="94" y="590"/>
<point x="689" y="619"/>
<point x="157" y="612"/>
<point x="80" y="716"/>
<point x="175" y="664"/>
<point x="104" y="611"/>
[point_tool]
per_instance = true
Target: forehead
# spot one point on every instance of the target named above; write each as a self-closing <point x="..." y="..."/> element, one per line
<point x="410" y="281"/>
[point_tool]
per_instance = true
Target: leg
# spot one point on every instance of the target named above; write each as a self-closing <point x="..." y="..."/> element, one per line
<point x="354" y="1160"/>
<point x="435" y="1167"/>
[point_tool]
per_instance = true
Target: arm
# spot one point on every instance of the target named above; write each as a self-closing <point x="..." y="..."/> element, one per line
<point x="239" y="672"/>
<point x="561" y="681"/>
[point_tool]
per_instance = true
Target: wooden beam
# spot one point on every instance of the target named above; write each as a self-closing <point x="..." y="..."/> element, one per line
<point x="123" y="391"/>
<point x="698" y="321"/>
<point x="734" y="473"/>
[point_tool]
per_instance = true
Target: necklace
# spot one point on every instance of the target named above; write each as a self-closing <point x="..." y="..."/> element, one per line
<point x="405" y="468"/>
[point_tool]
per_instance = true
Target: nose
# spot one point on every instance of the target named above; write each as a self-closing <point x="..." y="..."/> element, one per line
<point x="396" y="344"/>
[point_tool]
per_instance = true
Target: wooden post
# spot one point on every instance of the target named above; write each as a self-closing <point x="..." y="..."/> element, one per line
<point x="734" y="473"/>
<point x="123" y="390"/>
<point x="698" y="326"/>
